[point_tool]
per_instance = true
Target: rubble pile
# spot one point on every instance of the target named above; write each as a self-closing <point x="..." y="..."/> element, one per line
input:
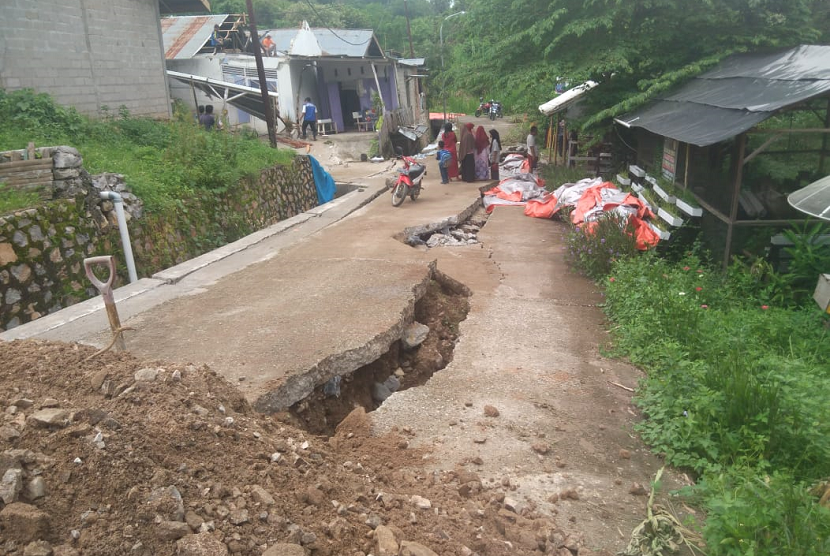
<point x="117" y="456"/>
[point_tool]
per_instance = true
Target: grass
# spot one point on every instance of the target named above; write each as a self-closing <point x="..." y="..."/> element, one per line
<point x="736" y="393"/>
<point x="13" y="199"/>
<point x="162" y="162"/>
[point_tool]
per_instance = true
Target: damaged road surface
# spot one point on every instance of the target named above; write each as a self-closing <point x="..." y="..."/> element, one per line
<point x="277" y="410"/>
<point x="324" y="307"/>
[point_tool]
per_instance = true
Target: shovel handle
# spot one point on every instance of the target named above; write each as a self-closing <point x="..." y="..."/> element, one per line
<point x="109" y="260"/>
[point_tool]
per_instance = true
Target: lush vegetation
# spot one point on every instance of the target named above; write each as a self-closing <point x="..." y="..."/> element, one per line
<point x="517" y="51"/>
<point x="738" y="378"/>
<point x="162" y="162"/>
<point x="13" y="199"/>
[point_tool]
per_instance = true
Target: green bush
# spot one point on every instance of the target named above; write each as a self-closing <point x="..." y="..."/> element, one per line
<point x="162" y="162"/>
<point x="736" y="391"/>
<point x="592" y="250"/>
<point x="12" y="199"/>
<point x="766" y="514"/>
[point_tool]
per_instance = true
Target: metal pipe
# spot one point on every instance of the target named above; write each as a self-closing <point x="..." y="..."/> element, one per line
<point x="118" y="201"/>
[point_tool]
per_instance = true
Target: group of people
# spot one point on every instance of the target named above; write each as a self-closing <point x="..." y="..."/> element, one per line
<point x="473" y="156"/>
<point x="206" y="118"/>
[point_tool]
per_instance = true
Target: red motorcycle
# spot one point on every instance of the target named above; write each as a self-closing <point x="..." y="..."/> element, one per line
<point x="483" y="108"/>
<point x="409" y="179"/>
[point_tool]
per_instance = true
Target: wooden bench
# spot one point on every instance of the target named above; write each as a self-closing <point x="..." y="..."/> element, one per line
<point x="324" y="127"/>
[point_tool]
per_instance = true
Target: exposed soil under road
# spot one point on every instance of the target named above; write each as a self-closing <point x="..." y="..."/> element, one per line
<point x="519" y="443"/>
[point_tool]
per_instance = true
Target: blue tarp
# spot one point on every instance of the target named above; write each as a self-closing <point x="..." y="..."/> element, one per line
<point x="323" y="182"/>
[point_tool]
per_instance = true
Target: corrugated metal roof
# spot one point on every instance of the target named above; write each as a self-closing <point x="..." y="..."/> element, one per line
<point x="738" y="94"/>
<point x="813" y="199"/>
<point x="353" y="43"/>
<point x="184" y="36"/>
<point x="344" y="42"/>
<point x="412" y="62"/>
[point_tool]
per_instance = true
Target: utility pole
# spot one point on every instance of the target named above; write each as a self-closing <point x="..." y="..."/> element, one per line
<point x="263" y="85"/>
<point x="408" y="30"/>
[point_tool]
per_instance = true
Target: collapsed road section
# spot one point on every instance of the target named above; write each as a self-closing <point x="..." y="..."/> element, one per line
<point x="425" y="347"/>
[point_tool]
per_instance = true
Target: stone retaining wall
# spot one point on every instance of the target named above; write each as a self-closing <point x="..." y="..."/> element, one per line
<point x="42" y="249"/>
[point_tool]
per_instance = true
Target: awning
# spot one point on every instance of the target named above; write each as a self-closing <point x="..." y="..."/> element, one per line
<point x="566" y="99"/>
<point x="813" y="199"/>
<point x="246" y="98"/>
<point x="738" y="94"/>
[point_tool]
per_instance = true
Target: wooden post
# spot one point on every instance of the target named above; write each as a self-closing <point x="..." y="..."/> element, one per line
<point x="824" y="139"/>
<point x="551" y="156"/>
<point x="686" y="174"/>
<point x="736" y="193"/>
<point x="263" y="84"/>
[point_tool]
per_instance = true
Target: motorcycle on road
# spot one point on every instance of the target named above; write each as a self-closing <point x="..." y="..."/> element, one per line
<point x="409" y="180"/>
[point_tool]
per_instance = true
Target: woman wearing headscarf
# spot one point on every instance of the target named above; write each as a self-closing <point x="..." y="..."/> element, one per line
<point x="495" y="154"/>
<point x="451" y="144"/>
<point x="482" y="155"/>
<point x="466" y="153"/>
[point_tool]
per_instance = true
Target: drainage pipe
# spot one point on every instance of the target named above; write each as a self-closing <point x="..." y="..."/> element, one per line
<point x="125" y="233"/>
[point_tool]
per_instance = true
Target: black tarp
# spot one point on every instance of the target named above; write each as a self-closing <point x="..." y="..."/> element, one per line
<point x="739" y="93"/>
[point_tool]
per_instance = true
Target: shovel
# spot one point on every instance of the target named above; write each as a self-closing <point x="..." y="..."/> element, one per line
<point x="106" y="292"/>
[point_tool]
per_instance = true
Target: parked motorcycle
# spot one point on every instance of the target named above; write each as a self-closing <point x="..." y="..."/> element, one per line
<point x="495" y="110"/>
<point x="409" y="179"/>
<point x="483" y="107"/>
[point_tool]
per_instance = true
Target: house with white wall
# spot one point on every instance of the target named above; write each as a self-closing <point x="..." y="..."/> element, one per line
<point x="339" y="69"/>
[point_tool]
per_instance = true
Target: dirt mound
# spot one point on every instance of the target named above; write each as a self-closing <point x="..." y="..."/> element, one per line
<point x="118" y="456"/>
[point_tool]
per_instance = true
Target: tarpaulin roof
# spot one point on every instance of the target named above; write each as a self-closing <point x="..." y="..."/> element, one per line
<point x="566" y="99"/>
<point x="813" y="199"/>
<point x="739" y="93"/>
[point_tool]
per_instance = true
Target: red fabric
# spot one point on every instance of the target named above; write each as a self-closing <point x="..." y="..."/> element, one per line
<point x="645" y="236"/>
<point x="588" y="201"/>
<point x="451" y="144"/>
<point x="482" y="141"/>
<point x="541" y="209"/>
<point x="515" y="196"/>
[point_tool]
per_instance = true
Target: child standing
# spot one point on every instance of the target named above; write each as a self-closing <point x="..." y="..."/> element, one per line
<point x="443" y="157"/>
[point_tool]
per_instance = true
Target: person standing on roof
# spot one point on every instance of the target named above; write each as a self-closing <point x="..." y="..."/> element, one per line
<point x="268" y="46"/>
<point x="309" y="115"/>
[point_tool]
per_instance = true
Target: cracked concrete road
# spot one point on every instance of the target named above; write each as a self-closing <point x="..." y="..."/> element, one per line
<point x="530" y="348"/>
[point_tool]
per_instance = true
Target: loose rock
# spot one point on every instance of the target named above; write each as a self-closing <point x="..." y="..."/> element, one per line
<point x="285" y="549"/>
<point x="637" y="490"/>
<point x="201" y="545"/>
<point x="172" y="530"/>
<point x="10" y="485"/>
<point x="491" y="411"/>
<point x="147" y="374"/>
<point x="51" y="417"/>
<point x="541" y="447"/>
<point x="421" y="503"/>
<point x="415" y="549"/>
<point x="414" y="335"/>
<point x="385" y="541"/>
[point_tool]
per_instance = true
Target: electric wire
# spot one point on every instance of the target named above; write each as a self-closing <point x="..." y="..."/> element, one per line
<point x="310" y="5"/>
